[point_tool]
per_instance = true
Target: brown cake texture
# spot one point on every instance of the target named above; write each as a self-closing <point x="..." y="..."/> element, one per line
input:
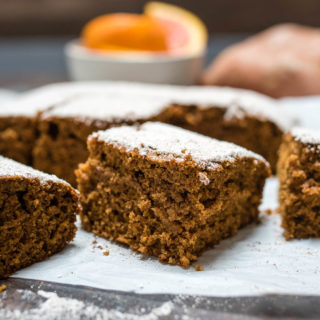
<point x="243" y="117"/>
<point x="299" y="175"/>
<point x="37" y="215"/>
<point x="48" y="127"/>
<point x="18" y="132"/>
<point x="168" y="192"/>
<point x="64" y="129"/>
<point x="283" y="60"/>
<point x="19" y="119"/>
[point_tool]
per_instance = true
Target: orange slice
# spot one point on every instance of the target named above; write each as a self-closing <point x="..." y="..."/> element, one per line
<point x="186" y="33"/>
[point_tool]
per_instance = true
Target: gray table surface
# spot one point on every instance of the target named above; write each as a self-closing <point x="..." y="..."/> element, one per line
<point x="133" y="306"/>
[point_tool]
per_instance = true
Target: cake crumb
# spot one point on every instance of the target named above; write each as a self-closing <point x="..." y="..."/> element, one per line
<point x="100" y="247"/>
<point x="3" y="287"/>
<point x="270" y="211"/>
<point x="106" y="253"/>
<point x="199" y="268"/>
<point x="94" y="242"/>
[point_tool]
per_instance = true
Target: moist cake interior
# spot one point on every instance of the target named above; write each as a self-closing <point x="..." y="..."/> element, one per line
<point x="36" y="221"/>
<point x="62" y="146"/>
<point x="17" y="138"/>
<point x="299" y="175"/>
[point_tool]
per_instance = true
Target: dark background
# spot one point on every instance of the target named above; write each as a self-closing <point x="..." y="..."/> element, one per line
<point x="33" y="32"/>
<point x="66" y="17"/>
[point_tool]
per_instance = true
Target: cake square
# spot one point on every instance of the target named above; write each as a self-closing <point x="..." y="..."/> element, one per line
<point x="166" y="191"/>
<point x="37" y="215"/>
<point x="299" y="174"/>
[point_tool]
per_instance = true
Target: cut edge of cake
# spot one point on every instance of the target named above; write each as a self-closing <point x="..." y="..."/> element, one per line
<point x="38" y="214"/>
<point x="299" y="175"/>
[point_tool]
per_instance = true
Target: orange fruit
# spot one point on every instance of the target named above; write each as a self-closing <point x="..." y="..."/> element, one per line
<point x="163" y="28"/>
<point x="124" y="31"/>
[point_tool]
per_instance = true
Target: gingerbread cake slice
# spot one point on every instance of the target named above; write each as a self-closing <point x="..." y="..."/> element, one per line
<point x="37" y="215"/>
<point x="168" y="192"/>
<point x="299" y="175"/>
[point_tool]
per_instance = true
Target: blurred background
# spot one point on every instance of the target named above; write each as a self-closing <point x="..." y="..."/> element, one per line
<point x="33" y="32"/>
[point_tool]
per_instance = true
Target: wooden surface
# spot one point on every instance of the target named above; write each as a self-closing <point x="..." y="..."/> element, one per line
<point x="240" y="308"/>
<point x="58" y="17"/>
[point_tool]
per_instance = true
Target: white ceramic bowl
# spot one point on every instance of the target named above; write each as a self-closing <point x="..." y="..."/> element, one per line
<point x="84" y="64"/>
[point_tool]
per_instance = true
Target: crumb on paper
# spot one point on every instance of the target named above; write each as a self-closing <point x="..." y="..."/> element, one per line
<point x="199" y="268"/>
<point x="106" y="253"/>
<point x="3" y="287"/>
<point x="100" y="247"/>
<point x="94" y="242"/>
<point x="270" y="211"/>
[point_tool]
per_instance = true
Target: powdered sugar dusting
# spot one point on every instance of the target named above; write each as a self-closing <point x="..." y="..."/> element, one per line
<point x="43" y="98"/>
<point x="305" y="135"/>
<point x="114" y="106"/>
<point x="11" y="168"/>
<point x="238" y="102"/>
<point x="151" y="98"/>
<point x="160" y="141"/>
<point x="53" y="307"/>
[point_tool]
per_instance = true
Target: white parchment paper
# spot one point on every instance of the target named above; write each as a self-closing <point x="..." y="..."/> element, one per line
<point x="256" y="261"/>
